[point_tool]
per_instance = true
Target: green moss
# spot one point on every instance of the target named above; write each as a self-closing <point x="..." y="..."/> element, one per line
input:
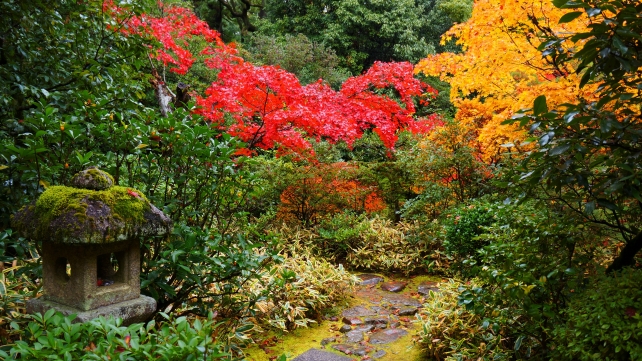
<point x="92" y="178"/>
<point x="293" y="343"/>
<point x="58" y="200"/>
<point x="127" y="206"/>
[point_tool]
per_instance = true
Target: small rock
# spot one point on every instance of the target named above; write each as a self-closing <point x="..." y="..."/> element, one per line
<point x="387" y="336"/>
<point x="328" y="340"/>
<point x="352" y="321"/>
<point x="401" y="300"/>
<point x="395" y="324"/>
<point x="354" y="336"/>
<point x="394" y="286"/>
<point x="358" y="311"/>
<point x="376" y="320"/>
<point x="425" y="288"/>
<point x="379" y="354"/>
<point x="320" y="355"/>
<point x="345" y="328"/>
<point x="346" y="349"/>
<point x="366" y="328"/>
<point x="406" y="310"/>
<point x="332" y="318"/>
<point x="360" y="351"/>
<point x="369" y="279"/>
<point x="380" y="310"/>
<point x="381" y="326"/>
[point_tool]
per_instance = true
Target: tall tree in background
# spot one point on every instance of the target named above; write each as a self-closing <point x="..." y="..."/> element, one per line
<point x="231" y="18"/>
<point x="501" y="70"/>
<point x="362" y="32"/>
<point x="308" y="60"/>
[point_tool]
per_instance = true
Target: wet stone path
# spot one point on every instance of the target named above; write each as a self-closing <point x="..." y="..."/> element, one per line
<point x="365" y="331"/>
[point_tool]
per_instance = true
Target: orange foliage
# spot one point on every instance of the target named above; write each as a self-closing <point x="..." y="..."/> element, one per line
<point x="501" y="70"/>
<point x="328" y="189"/>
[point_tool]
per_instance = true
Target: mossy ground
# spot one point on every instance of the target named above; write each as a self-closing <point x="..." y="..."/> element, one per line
<point x="300" y="340"/>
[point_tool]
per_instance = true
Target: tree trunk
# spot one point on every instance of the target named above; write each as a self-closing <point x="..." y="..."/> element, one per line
<point x="627" y="255"/>
<point x="163" y="94"/>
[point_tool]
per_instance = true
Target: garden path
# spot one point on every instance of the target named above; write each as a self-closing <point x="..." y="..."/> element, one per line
<point x="378" y="324"/>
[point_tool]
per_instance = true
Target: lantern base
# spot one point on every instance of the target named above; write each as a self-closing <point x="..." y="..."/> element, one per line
<point x="132" y="311"/>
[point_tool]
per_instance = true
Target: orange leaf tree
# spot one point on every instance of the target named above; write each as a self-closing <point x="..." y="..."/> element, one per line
<point x="501" y="70"/>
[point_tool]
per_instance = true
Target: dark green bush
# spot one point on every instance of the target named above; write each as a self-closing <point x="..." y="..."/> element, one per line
<point x="54" y="337"/>
<point x="604" y="322"/>
<point x="464" y="227"/>
<point x="534" y="261"/>
<point x="340" y="234"/>
<point x="14" y="248"/>
<point x="196" y="271"/>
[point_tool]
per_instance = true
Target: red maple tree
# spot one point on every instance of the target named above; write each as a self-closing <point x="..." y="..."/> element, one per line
<point x="269" y="107"/>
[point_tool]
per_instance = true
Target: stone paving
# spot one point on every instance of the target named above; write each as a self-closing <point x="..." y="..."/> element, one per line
<point x="382" y="319"/>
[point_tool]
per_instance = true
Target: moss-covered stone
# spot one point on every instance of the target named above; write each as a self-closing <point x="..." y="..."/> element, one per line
<point x="73" y="215"/>
<point x="92" y="178"/>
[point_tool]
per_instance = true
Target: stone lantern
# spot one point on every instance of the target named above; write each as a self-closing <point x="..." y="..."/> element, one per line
<point x="90" y="247"/>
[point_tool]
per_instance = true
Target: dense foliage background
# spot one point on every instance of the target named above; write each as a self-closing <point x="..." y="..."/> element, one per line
<point x="290" y="139"/>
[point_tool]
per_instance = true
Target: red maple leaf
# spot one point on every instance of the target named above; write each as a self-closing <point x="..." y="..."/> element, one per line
<point x="132" y="193"/>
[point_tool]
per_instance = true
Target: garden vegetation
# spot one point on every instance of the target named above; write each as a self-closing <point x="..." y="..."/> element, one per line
<point x="293" y="143"/>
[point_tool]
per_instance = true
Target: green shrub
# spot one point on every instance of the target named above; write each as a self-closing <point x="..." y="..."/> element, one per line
<point x="450" y="332"/>
<point x="534" y="260"/>
<point x="195" y="271"/>
<point x="19" y="271"/>
<point x="339" y="235"/>
<point x="604" y="322"/>
<point x="16" y="287"/>
<point x="298" y="291"/>
<point x="374" y="244"/>
<point x="464" y="227"/>
<point x="14" y="248"/>
<point x="53" y="336"/>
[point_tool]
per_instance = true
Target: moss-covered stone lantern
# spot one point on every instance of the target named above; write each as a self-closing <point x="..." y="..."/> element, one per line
<point x="90" y="247"/>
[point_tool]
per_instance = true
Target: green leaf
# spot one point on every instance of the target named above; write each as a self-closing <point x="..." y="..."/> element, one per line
<point x="605" y="203"/>
<point x="619" y="45"/>
<point x="518" y="343"/>
<point x="559" y="150"/>
<point x="585" y="78"/>
<point x="593" y="11"/>
<point x="580" y="36"/>
<point x="540" y="106"/>
<point x="568" y="17"/>
<point x="559" y="3"/>
<point x="568" y="117"/>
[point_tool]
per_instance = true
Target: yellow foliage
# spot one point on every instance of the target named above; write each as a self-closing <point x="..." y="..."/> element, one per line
<point x="501" y="70"/>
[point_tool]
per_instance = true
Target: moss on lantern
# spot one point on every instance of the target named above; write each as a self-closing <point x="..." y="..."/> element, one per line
<point x="79" y="215"/>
